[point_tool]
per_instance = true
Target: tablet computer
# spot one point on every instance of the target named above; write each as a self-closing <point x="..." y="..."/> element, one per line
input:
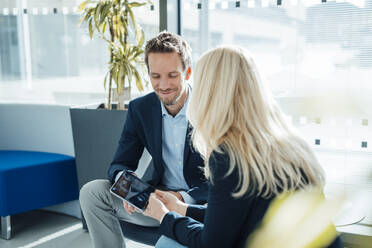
<point x="133" y="190"/>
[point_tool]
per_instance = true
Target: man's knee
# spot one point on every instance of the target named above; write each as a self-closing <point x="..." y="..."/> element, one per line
<point x="93" y="191"/>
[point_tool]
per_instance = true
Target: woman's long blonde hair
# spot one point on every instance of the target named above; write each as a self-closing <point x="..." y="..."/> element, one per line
<point x="230" y="109"/>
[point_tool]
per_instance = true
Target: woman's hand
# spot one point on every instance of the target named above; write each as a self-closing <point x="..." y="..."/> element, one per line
<point x="155" y="208"/>
<point x="171" y="202"/>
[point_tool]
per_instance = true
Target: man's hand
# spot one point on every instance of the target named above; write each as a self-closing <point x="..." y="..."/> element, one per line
<point x="130" y="209"/>
<point x="171" y="202"/>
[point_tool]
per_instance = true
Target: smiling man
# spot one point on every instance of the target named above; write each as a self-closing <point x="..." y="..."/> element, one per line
<point x="168" y="78"/>
<point x="157" y="122"/>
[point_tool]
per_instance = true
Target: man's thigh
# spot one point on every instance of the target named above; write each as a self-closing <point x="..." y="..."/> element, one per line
<point x="121" y="213"/>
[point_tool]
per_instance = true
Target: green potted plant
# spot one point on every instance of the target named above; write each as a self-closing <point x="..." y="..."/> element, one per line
<point x="115" y="22"/>
<point x="96" y="132"/>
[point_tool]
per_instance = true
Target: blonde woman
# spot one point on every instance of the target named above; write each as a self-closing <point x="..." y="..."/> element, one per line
<point x="251" y="156"/>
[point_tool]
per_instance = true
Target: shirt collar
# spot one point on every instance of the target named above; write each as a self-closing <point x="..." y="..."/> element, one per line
<point x="182" y="112"/>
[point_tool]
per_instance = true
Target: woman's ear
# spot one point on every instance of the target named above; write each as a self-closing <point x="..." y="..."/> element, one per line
<point x="188" y="73"/>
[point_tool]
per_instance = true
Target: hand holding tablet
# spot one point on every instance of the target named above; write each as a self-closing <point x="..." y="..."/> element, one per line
<point x="132" y="190"/>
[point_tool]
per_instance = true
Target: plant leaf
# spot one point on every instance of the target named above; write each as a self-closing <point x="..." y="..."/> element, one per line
<point x="90" y="29"/>
<point x="136" y="27"/>
<point x="82" y="5"/>
<point x="104" y="28"/>
<point x="129" y="73"/>
<point x="142" y="38"/>
<point x="137" y="4"/>
<point x="138" y="79"/>
<point x="103" y="14"/>
<point x="96" y="15"/>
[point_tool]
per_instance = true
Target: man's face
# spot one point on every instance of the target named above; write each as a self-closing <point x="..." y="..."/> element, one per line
<point x="167" y="76"/>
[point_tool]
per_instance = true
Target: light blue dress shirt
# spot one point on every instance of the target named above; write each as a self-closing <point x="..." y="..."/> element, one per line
<point x="173" y="138"/>
<point x="173" y="142"/>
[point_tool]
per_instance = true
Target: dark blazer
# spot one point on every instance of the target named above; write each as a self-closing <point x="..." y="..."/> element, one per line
<point x="227" y="221"/>
<point x="143" y="129"/>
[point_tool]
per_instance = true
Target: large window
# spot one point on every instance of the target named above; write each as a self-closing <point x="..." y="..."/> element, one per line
<point x="317" y="57"/>
<point x="46" y="58"/>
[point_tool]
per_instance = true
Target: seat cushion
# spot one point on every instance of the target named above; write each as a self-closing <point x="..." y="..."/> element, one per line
<point x="31" y="180"/>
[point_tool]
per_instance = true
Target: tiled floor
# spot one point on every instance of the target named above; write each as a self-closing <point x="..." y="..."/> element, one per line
<point x="43" y="229"/>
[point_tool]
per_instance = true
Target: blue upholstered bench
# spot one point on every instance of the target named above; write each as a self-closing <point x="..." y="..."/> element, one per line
<point x="31" y="180"/>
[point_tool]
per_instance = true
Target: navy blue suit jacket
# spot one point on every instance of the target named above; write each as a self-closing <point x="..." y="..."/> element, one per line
<point x="227" y="221"/>
<point x="143" y="129"/>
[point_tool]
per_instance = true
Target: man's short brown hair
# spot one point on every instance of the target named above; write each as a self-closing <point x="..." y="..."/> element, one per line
<point x="166" y="42"/>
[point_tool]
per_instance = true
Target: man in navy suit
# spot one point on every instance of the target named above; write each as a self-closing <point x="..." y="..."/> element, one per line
<point x="157" y="122"/>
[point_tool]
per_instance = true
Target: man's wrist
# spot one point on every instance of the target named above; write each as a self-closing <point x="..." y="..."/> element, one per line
<point x="187" y="198"/>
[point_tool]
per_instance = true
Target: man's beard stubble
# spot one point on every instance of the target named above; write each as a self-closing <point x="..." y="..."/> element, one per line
<point x="174" y="100"/>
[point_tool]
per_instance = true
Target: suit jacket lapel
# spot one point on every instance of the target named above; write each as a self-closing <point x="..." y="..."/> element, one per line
<point x="157" y="131"/>
<point x="187" y="149"/>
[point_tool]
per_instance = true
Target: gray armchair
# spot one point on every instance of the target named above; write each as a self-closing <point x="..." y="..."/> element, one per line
<point x="96" y="133"/>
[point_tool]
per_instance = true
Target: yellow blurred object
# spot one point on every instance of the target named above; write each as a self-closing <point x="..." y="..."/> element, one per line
<point x="298" y="219"/>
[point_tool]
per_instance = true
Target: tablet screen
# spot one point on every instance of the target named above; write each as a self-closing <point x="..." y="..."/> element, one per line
<point x="132" y="189"/>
